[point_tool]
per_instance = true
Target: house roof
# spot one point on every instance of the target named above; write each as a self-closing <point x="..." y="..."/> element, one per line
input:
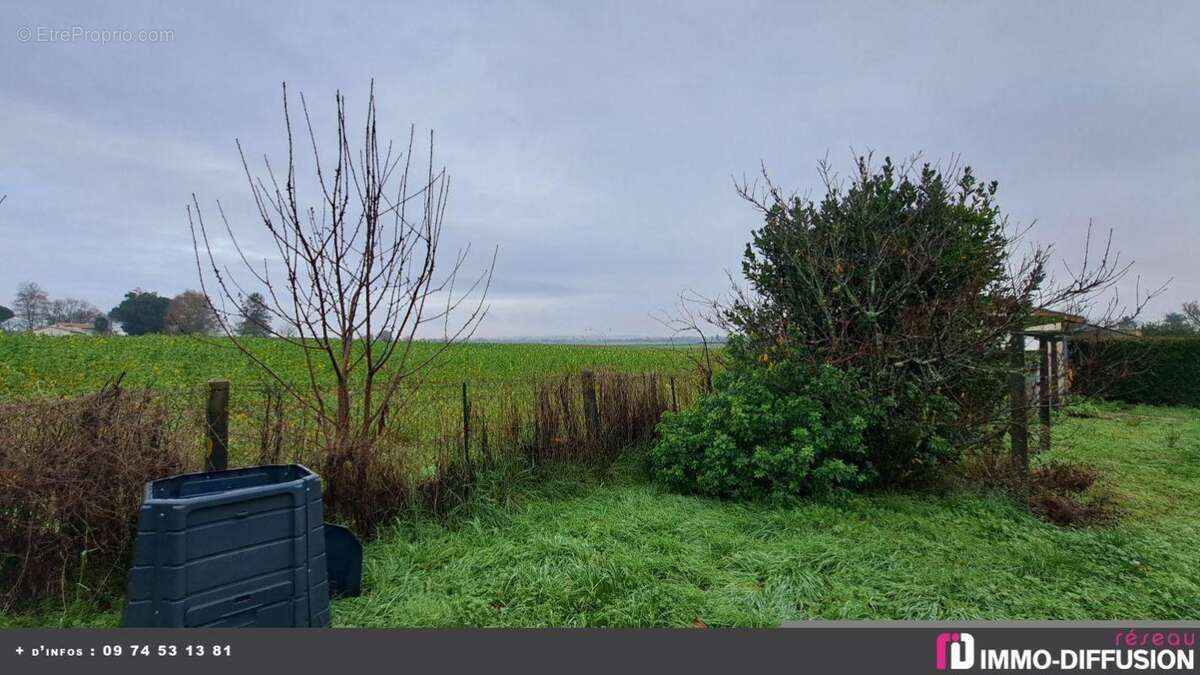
<point x="65" y="329"/>
<point x="1048" y="323"/>
<point x="1043" y="314"/>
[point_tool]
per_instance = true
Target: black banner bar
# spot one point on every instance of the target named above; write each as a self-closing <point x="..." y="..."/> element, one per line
<point x="802" y="647"/>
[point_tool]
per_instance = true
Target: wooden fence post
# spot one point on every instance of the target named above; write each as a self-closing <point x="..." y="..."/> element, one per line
<point x="674" y="399"/>
<point x="591" y="411"/>
<point x="1055" y="374"/>
<point x="217" y="414"/>
<point x="1018" y="430"/>
<point x="1044" y="394"/>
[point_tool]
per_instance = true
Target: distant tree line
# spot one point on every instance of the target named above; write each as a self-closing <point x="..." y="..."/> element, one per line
<point x="32" y="309"/>
<point x="1184" y="323"/>
<point x="141" y="312"/>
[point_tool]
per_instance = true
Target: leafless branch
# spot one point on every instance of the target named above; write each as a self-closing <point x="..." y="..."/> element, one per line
<point x="358" y="270"/>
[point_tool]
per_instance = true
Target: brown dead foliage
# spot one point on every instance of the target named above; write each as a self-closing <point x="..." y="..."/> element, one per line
<point x="370" y="481"/>
<point x="73" y="471"/>
<point x="1062" y="477"/>
<point x="1067" y="511"/>
<point x="1057" y="491"/>
<point x="626" y="413"/>
<point x="72" y="474"/>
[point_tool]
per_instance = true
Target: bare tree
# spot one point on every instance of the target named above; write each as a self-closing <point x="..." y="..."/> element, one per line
<point x="698" y="320"/>
<point x="72" y="310"/>
<point x="190" y="314"/>
<point x="1090" y="285"/>
<point x="358" y="279"/>
<point x="1192" y="311"/>
<point x="31" y="305"/>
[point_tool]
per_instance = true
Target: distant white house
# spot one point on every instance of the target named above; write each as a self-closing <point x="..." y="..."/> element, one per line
<point x="60" y="329"/>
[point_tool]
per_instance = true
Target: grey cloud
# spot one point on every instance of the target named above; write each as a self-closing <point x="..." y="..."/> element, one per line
<point x="594" y="142"/>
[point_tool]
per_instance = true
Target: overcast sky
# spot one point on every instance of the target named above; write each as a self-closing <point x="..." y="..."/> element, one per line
<point x="594" y="142"/>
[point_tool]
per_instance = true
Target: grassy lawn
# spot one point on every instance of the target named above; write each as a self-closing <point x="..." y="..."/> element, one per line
<point x="614" y="550"/>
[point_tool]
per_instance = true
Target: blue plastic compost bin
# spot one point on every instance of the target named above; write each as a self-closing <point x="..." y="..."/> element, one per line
<point x="244" y="547"/>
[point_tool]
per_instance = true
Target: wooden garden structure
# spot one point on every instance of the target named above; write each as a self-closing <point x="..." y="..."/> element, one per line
<point x="1052" y="330"/>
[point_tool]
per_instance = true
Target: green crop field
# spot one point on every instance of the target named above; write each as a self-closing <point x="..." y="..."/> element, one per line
<point x="496" y="374"/>
<point x="34" y="365"/>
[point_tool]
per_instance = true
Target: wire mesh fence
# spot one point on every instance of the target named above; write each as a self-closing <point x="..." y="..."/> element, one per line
<point x="72" y="468"/>
<point x="587" y="416"/>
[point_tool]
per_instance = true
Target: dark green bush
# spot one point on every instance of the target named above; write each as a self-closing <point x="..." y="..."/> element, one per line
<point x="1157" y="371"/>
<point x="776" y="431"/>
<point x="905" y="276"/>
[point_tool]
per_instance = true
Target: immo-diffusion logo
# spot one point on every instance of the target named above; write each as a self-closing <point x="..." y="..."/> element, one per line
<point x="959" y="647"/>
<point x="1132" y="650"/>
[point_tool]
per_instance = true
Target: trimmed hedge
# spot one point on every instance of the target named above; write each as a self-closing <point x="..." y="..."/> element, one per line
<point x="1157" y="371"/>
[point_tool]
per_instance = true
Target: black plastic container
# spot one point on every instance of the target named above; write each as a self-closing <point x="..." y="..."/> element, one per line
<point x="244" y="547"/>
<point x="343" y="561"/>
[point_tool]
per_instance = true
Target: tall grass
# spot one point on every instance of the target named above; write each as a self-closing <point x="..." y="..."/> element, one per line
<point x="429" y="451"/>
<point x="606" y="548"/>
<point x="72" y="469"/>
<point x="617" y="551"/>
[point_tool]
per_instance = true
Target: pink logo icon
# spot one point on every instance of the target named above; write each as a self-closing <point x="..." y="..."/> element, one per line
<point x="955" y="651"/>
